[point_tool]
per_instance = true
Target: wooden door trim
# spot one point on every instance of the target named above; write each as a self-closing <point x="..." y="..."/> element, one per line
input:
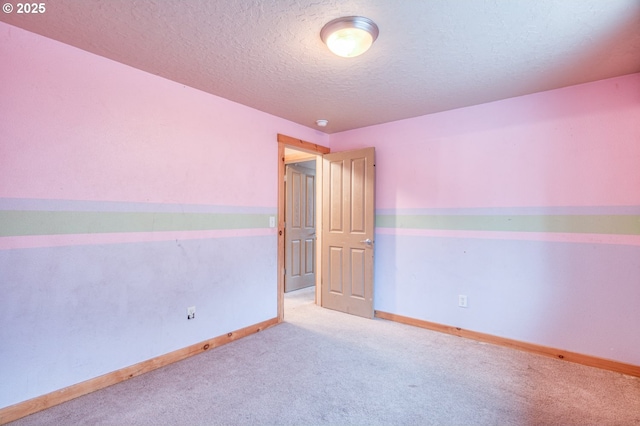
<point x="319" y="150"/>
<point x="302" y="145"/>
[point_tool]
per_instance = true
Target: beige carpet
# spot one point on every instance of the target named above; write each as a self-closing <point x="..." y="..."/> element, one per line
<point x="324" y="367"/>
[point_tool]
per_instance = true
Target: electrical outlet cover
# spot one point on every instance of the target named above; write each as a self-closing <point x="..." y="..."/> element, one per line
<point x="462" y="301"/>
<point x="191" y="312"/>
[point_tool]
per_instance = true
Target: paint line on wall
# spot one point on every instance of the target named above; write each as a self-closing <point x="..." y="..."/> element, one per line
<point x="584" y="224"/>
<point x="560" y="237"/>
<point x="38" y="204"/>
<point x="23" y="223"/>
<point x="60" y="240"/>
<point x="515" y="211"/>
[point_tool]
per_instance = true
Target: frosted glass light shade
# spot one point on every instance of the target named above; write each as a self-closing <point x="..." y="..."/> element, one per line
<point x="349" y="36"/>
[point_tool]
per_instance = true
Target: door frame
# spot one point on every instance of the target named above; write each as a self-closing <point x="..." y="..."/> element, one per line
<point x="318" y="151"/>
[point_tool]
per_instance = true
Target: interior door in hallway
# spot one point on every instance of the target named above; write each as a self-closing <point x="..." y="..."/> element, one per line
<point x="348" y="227"/>
<point x="300" y="228"/>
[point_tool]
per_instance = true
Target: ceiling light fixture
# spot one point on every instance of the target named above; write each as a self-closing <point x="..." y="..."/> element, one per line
<point x="322" y="123"/>
<point x="349" y="36"/>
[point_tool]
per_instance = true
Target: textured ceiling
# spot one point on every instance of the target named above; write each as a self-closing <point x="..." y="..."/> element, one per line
<point x="430" y="56"/>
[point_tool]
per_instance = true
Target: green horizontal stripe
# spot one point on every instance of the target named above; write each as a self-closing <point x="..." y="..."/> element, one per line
<point x="29" y="222"/>
<point x="18" y="223"/>
<point x="582" y="224"/>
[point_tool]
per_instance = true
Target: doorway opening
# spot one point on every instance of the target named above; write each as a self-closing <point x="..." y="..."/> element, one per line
<point x="299" y="153"/>
<point x="344" y="248"/>
<point x="299" y="222"/>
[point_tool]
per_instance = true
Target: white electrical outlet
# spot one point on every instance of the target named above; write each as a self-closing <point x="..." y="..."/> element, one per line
<point x="462" y="301"/>
<point x="191" y="312"/>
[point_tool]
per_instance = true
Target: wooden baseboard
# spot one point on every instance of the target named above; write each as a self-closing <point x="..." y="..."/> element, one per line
<point x="22" y="409"/>
<point x="592" y="361"/>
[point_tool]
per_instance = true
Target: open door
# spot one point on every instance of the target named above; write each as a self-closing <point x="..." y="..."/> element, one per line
<point x="300" y="227"/>
<point x="348" y="180"/>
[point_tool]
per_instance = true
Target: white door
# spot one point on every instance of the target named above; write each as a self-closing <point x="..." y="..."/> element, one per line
<point x="300" y="231"/>
<point x="347" y="235"/>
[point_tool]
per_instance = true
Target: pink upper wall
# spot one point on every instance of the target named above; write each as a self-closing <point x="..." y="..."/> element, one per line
<point x="565" y="280"/>
<point x="82" y="136"/>
<point x="577" y="146"/>
<point x="79" y="126"/>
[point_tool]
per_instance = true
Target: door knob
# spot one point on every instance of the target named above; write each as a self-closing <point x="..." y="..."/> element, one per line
<point x="367" y="241"/>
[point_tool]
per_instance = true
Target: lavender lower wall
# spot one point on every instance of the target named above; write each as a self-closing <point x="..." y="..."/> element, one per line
<point x="76" y="312"/>
<point x="557" y="294"/>
<point x="529" y="206"/>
